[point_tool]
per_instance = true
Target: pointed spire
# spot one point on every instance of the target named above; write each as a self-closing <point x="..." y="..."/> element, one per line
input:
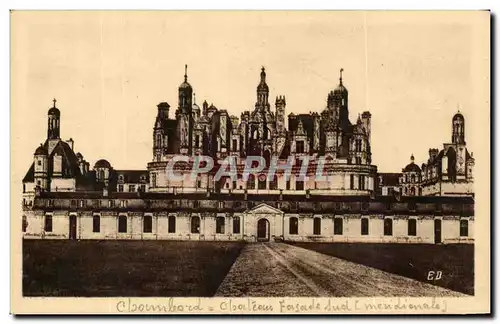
<point x="263" y="75"/>
<point x="54" y="101"/>
<point x="341" y="70"/>
<point x="185" y="73"/>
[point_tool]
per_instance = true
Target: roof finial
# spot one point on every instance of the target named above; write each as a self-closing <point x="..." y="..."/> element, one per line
<point x="341" y="70"/>
<point x="194" y="98"/>
<point x="54" y="101"/>
<point x="412" y="158"/>
<point x="458" y="107"/>
<point x="185" y="73"/>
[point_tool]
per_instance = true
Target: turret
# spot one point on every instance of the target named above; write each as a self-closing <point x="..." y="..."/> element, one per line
<point x="280" y="114"/>
<point x="458" y="129"/>
<point x="41" y="166"/>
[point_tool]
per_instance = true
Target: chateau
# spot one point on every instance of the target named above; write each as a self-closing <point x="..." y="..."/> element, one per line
<point x="433" y="203"/>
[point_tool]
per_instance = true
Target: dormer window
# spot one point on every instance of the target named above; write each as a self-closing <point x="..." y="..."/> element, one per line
<point x="120" y="177"/>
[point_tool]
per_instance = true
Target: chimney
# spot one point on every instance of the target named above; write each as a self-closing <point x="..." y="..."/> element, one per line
<point x="235" y="121"/>
<point x="70" y="143"/>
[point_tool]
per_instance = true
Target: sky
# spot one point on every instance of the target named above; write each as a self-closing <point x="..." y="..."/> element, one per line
<point x="109" y="70"/>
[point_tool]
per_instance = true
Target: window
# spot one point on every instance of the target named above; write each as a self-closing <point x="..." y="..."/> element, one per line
<point x="120" y="188"/>
<point x="235" y="145"/>
<point x="120" y="177"/>
<point x="299" y="185"/>
<point x="412" y="178"/>
<point x="39" y="162"/>
<point x="273" y="185"/>
<point x="317" y="226"/>
<point x="365" y="226"/>
<point x="25" y="224"/>
<point x="338" y="225"/>
<point x="171" y="224"/>
<point x="82" y="203"/>
<point x="358" y="160"/>
<point x="251" y="182"/>
<point x="234" y="184"/>
<point x="412" y="227"/>
<point x="300" y="147"/>
<point x="221" y="205"/>
<point x="220" y="223"/>
<point x="361" y="182"/>
<point x="196" y="204"/>
<point x="123" y="203"/>
<point x="198" y="183"/>
<point x="96" y="223"/>
<point x="111" y="203"/>
<point x="153" y="180"/>
<point x="50" y="203"/>
<point x="294" y="225"/>
<point x="195" y="225"/>
<point x="412" y="191"/>
<point x="48" y="223"/>
<point x="197" y="141"/>
<point x="387" y="226"/>
<point x="96" y="203"/>
<point x="464" y="227"/>
<point x="236" y="225"/>
<point x="420" y="191"/>
<point x="147" y="224"/>
<point x="288" y="184"/>
<point x="262" y="182"/>
<point x="73" y="203"/>
<point x="158" y="140"/>
<point x="131" y="188"/>
<point x="122" y="224"/>
<point x="390" y="190"/>
<point x="142" y="188"/>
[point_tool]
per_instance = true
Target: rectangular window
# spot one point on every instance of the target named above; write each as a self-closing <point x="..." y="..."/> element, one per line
<point x="120" y="188"/>
<point x="464" y="227"/>
<point x="143" y="188"/>
<point x="235" y="145"/>
<point x="123" y="203"/>
<point x="219" y="225"/>
<point x="338" y="226"/>
<point x="82" y="203"/>
<point x="262" y="182"/>
<point x="234" y="184"/>
<point x="171" y="224"/>
<point x="198" y="183"/>
<point x="351" y="185"/>
<point x="365" y="226"/>
<point x="288" y="184"/>
<point x="73" y="203"/>
<point x="96" y="203"/>
<point x="48" y="223"/>
<point x="197" y="141"/>
<point x="131" y="188"/>
<point x="300" y="147"/>
<point x="96" y="224"/>
<point x="147" y="224"/>
<point x="299" y="185"/>
<point x="412" y="227"/>
<point x="111" y="203"/>
<point x="317" y="226"/>
<point x="122" y="224"/>
<point x="236" y="225"/>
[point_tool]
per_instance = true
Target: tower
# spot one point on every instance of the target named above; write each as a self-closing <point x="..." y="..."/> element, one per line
<point x="262" y="92"/>
<point x="340" y="101"/>
<point x="54" y="116"/>
<point x="41" y="165"/>
<point x="160" y="140"/>
<point x="184" y="116"/>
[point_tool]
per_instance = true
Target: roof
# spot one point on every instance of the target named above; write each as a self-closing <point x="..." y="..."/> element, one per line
<point x="412" y="167"/>
<point x="185" y="85"/>
<point x="41" y="150"/>
<point x="102" y="163"/>
<point x="133" y="176"/>
<point x="54" y="111"/>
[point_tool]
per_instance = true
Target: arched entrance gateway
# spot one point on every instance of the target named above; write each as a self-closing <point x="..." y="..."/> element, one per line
<point x="263" y="230"/>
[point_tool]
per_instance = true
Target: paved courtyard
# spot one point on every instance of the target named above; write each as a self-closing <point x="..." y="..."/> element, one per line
<point x="278" y="269"/>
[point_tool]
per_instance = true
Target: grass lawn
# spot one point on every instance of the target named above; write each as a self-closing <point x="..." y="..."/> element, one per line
<point x="125" y="268"/>
<point x="456" y="261"/>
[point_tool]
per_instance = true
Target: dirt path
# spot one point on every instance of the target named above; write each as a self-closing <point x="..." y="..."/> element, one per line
<point x="278" y="269"/>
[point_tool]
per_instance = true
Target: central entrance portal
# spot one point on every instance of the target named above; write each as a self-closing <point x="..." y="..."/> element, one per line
<point x="263" y="230"/>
